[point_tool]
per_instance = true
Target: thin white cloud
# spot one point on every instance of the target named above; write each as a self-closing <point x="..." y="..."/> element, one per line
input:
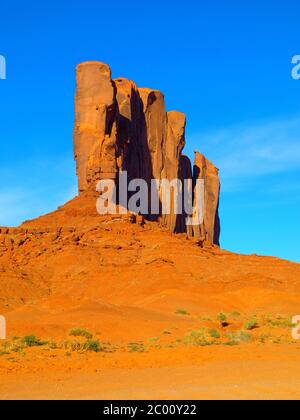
<point x="247" y="151"/>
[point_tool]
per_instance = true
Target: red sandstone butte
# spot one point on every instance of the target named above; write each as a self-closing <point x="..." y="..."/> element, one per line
<point x="120" y="127"/>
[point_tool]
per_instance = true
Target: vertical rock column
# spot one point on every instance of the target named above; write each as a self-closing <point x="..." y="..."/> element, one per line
<point x="95" y="131"/>
<point x="204" y="169"/>
<point x="185" y="173"/>
<point x="153" y="133"/>
<point x="131" y="117"/>
<point x="173" y="146"/>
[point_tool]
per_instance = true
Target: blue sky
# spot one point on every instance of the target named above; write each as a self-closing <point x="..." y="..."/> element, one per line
<point x="227" y="65"/>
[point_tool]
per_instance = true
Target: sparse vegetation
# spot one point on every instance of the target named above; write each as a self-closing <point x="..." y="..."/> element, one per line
<point x="251" y="325"/>
<point x="263" y="338"/>
<point x="33" y="341"/>
<point x="136" y="347"/>
<point x="92" y="345"/>
<point x="81" y="332"/>
<point x="231" y="343"/>
<point x="211" y="334"/>
<point x="214" y="334"/>
<point x="223" y="319"/>
<point x="279" y="322"/>
<point x="82" y="346"/>
<point x="18" y="345"/>
<point x="154" y="339"/>
<point x="182" y="312"/>
<point x="205" y="318"/>
<point x="238" y="337"/>
<point x="197" y="338"/>
<point x="52" y="345"/>
<point x="72" y="345"/>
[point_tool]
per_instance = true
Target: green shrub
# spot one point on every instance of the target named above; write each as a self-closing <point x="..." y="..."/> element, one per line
<point x="92" y="345"/>
<point x="223" y="319"/>
<point x="251" y="325"/>
<point x="33" y="341"/>
<point x="214" y="334"/>
<point x="80" y="332"/>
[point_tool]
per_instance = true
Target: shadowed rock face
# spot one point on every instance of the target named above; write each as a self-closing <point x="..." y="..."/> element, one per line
<point x="204" y="169"/>
<point x="119" y="127"/>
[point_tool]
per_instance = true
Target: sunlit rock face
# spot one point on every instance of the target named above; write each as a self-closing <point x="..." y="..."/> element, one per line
<point x="120" y="127"/>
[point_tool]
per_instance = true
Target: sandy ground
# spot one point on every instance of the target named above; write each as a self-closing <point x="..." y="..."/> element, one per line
<point x="250" y="372"/>
<point x="153" y="302"/>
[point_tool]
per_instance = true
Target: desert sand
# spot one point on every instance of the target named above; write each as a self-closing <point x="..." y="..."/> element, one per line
<point x="152" y="299"/>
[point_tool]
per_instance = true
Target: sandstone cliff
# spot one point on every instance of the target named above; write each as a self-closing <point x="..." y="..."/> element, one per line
<point x="119" y="127"/>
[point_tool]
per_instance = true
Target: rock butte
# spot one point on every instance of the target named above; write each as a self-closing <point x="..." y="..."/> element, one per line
<point x="120" y="127"/>
<point x="125" y="281"/>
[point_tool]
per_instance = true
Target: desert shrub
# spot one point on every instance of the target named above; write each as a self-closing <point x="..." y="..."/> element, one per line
<point x="231" y="343"/>
<point x="215" y="334"/>
<point x="279" y="322"/>
<point x="181" y="311"/>
<point x="197" y="338"/>
<point x="81" y="346"/>
<point x="136" y="347"/>
<point x="33" y="341"/>
<point x="223" y="319"/>
<point x="251" y="325"/>
<point x="81" y="332"/>
<point x="52" y="345"/>
<point x="239" y="337"/>
<point x="72" y="345"/>
<point x="92" y="345"/>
